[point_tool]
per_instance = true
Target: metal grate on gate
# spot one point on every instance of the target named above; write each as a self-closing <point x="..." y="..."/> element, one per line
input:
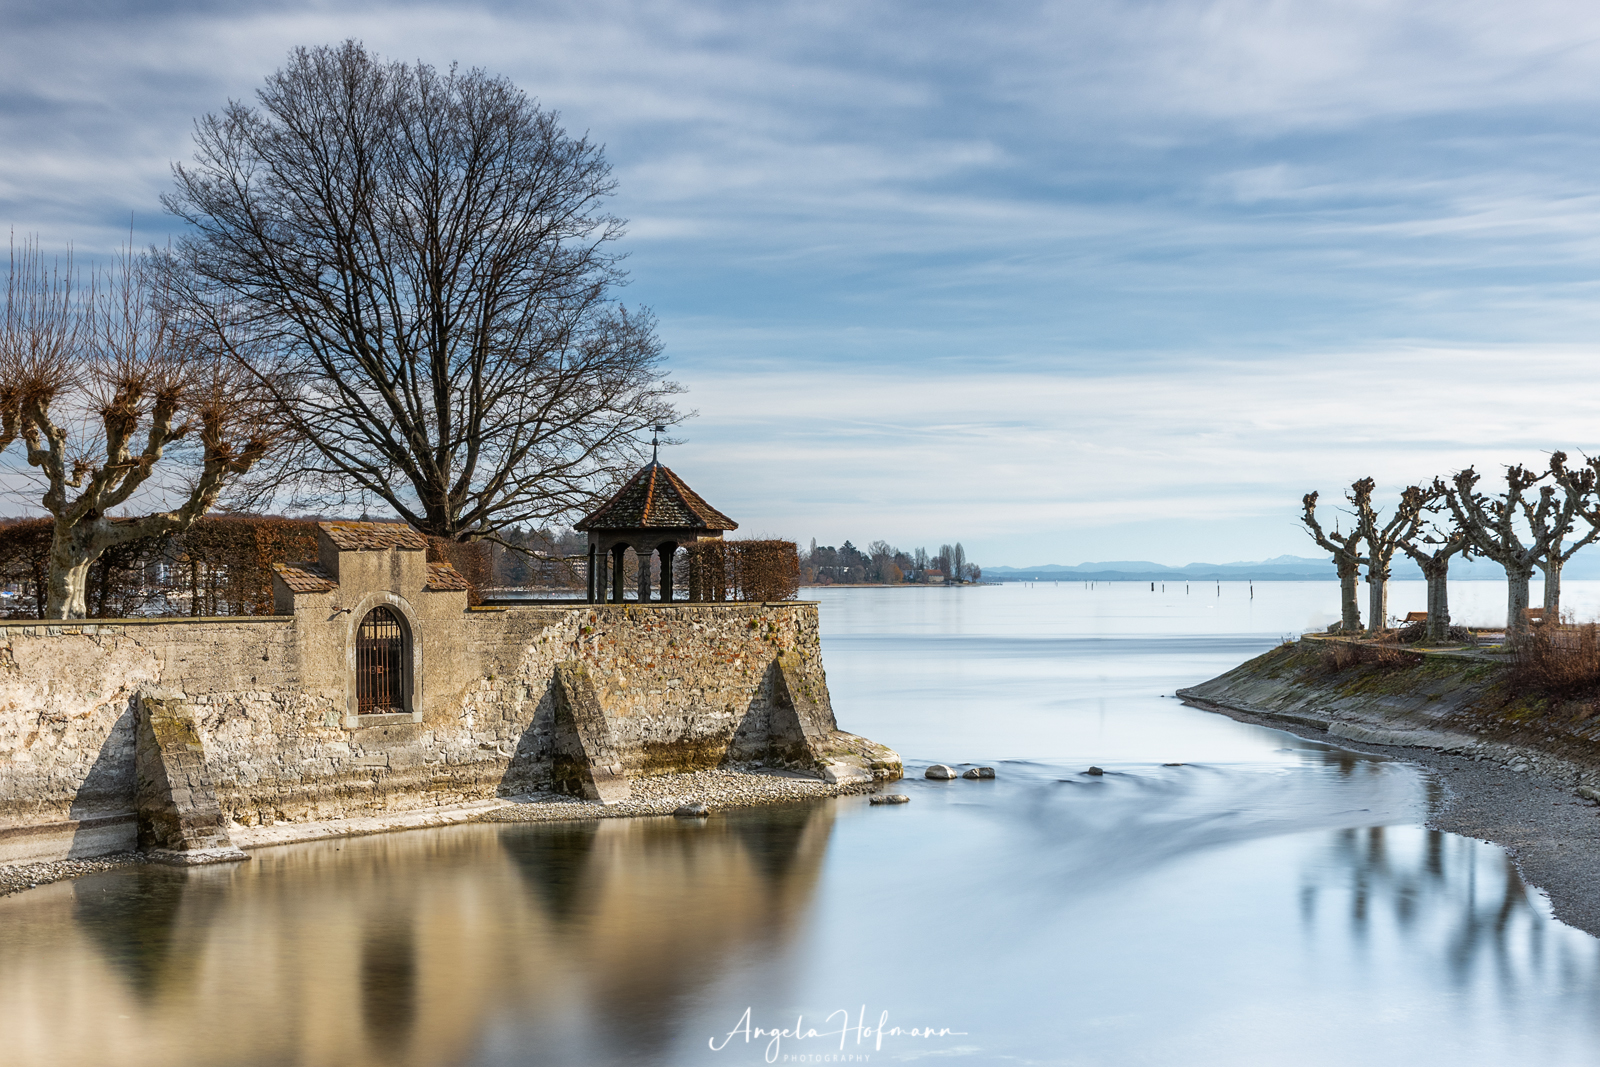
<point x="380" y="663"/>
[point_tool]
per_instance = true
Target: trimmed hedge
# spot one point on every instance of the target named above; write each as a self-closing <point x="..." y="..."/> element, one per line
<point x="221" y="565"/>
<point x="742" y="570"/>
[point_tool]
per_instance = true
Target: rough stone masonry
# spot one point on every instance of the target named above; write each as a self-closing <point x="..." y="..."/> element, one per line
<point x="167" y="732"/>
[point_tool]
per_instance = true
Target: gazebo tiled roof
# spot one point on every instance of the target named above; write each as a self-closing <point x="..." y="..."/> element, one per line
<point x="655" y="497"/>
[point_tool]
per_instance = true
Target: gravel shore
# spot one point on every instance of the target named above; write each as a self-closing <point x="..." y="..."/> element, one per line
<point x="1551" y="833"/>
<point x="16" y="878"/>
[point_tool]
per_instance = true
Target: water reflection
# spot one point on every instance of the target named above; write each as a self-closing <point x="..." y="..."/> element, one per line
<point x="1462" y="899"/>
<point x="417" y="948"/>
<point x="1270" y="900"/>
<point x="134" y="921"/>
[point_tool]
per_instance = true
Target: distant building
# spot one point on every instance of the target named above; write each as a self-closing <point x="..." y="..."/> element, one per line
<point x="933" y="577"/>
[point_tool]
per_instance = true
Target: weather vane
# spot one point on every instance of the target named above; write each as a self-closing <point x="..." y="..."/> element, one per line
<point x="655" y="445"/>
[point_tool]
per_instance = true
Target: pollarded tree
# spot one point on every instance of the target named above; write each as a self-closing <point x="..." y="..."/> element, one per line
<point x="1347" y="559"/>
<point x="1492" y="525"/>
<point x="1382" y="540"/>
<point x="104" y="388"/>
<point x="430" y="254"/>
<point x="1431" y="547"/>
<point x="1577" y="500"/>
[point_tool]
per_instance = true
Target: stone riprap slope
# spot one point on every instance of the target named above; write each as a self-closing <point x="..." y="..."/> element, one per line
<point x="1463" y="704"/>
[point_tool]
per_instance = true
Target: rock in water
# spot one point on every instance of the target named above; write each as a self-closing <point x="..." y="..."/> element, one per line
<point x="696" y="810"/>
<point x="1095" y="771"/>
<point x="979" y="772"/>
<point x="940" y="772"/>
<point x="889" y="798"/>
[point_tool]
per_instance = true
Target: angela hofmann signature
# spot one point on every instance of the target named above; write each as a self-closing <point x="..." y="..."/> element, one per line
<point x="801" y="1032"/>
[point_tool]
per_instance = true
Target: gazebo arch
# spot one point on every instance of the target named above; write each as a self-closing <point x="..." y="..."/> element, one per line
<point x="655" y="513"/>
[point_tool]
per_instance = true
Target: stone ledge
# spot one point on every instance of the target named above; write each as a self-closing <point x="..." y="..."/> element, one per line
<point x="396" y="718"/>
<point x="197" y="857"/>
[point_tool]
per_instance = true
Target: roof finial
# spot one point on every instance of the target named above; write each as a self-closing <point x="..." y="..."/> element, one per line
<point x="655" y="445"/>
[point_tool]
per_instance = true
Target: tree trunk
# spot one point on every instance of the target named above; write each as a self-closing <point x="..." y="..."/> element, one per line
<point x="1349" y="608"/>
<point x="1517" y="601"/>
<point x="70" y="560"/>
<point x="1377" y="601"/>
<point x="1438" y="604"/>
<point x="1552" y="588"/>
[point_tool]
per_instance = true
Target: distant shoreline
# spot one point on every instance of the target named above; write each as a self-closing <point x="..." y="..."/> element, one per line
<point x="897" y="585"/>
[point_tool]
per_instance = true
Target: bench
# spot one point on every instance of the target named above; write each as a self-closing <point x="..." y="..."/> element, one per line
<point x="1535" y="616"/>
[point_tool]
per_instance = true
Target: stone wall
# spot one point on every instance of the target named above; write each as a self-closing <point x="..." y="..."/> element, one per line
<point x="680" y="687"/>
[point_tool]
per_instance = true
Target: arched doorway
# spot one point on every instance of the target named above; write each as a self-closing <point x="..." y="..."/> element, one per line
<point x="382" y="652"/>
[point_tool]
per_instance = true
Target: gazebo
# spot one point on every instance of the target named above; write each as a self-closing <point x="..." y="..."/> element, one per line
<point x="654" y="512"/>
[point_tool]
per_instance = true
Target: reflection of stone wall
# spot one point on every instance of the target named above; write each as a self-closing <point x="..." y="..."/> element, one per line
<point x="409" y="948"/>
<point x="681" y="686"/>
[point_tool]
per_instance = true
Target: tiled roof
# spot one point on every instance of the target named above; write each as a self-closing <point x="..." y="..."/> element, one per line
<point x="305" y="578"/>
<point x="657" y="497"/>
<point x="443" y="578"/>
<point x="357" y="536"/>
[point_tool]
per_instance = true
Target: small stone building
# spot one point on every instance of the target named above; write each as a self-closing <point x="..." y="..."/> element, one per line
<point x="373" y="584"/>
<point x="656" y="513"/>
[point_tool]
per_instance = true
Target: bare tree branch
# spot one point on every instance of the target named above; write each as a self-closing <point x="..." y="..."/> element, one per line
<point x="115" y="360"/>
<point x="430" y="256"/>
<point x="1491" y="525"/>
<point x="1431" y="548"/>
<point x="1347" y="559"/>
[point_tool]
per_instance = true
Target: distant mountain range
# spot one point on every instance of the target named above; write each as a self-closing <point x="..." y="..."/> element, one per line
<point x="1585" y="564"/>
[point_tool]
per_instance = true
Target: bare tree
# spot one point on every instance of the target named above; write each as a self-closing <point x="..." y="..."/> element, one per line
<point x="1382" y="539"/>
<point x="1347" y="559"/>
<point x="883" y="561"/>
<point x="1492" y="526"/>
<point x="115" y="364"/>
<point x="1431" y="547"/>
<point x="432" y="258"/>
<point x="1577" y="501"/>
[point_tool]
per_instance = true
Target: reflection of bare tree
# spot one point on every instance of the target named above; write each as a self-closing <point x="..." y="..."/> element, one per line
<point x="574" y="942"/>
<point x="1458" y="894"/>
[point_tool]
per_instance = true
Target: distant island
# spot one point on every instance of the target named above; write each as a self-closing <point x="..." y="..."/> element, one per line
<point x="880" y="563"/>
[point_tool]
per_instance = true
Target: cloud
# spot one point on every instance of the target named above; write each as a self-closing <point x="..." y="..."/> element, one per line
<point x="1009" y="461"/>
<point x="1070" y="276"/>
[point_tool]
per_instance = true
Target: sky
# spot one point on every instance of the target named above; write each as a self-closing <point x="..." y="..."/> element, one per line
<point x="1061" y="281"/>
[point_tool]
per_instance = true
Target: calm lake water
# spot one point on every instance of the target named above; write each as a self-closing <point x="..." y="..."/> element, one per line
<point x="1269" y="901"/>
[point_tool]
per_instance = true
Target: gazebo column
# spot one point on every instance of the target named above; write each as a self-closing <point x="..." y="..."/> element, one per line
<point x="668" y="552"/>
<point x="645" y="555"/>
<point x="594" y="586"/>
<point x="618" y="557"/>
